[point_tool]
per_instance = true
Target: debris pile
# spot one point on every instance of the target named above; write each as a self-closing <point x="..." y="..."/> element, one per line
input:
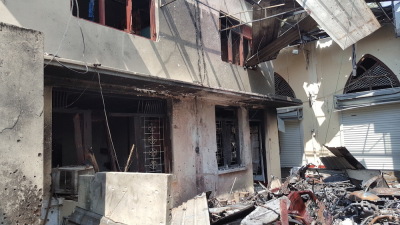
<point x="313" y="197"/>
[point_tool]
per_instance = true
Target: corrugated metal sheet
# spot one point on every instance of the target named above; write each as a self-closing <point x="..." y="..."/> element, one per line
<point x="367" y="98"/>
<point x="192" y="212"/>
<point x="335" y="163"/>
<point x="290" y="113"/>
<point x="342" y="152"/>
<point x="372" y="135"/>
<point x="291" y="144"/>
<point x="345" y="21"/>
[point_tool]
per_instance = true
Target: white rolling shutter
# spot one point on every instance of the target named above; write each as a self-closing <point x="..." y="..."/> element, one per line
<point x="372" y="135"/>
<point x="291" y="144"/>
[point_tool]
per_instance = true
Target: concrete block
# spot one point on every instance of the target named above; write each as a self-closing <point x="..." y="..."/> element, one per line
<point x="128" y="198"/>
<point x="84" y="191"/>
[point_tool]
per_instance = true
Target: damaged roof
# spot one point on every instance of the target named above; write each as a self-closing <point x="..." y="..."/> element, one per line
<point x="280" y="23"/>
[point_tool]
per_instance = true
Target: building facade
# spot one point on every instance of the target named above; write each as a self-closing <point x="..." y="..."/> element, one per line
<point x="158" y="82"/>
<point x="340" y="109"/>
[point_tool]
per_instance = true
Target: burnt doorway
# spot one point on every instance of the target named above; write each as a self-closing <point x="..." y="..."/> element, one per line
<point x="257" y="145"/>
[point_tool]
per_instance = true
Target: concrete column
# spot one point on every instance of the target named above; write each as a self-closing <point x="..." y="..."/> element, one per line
<point x="21" y="125"/>
<point x="47" y="148"/>
<point x="272" y="144"/>
<point x="183" y="138"/>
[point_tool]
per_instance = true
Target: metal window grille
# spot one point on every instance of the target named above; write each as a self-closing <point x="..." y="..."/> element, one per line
<point x="377" y="76"/>
<point x="153" y="130"/>
<point x="228" y="153"/>
<point x="282" y="87"/>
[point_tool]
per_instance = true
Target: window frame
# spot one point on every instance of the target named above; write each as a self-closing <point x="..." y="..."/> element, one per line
<point x="128" y="18"/>
<point x="224" y="137"/>
<point x="245" y="34"/>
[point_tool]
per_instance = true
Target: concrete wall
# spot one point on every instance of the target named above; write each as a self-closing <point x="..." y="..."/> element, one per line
<point x="322" y="69"/>
<point x="187" y="48"/>
<point x="128" y="198"/>
<point x="21" y="125"/>
<point x="193" y="125"/>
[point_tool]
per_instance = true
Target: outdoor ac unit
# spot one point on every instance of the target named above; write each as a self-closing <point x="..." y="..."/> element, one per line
<point x="65" y="179"/>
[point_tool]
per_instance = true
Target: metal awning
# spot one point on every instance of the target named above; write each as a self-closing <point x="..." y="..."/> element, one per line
<point x="57" y="74"/>
<point x="346" y="22"/>
<point x="367" y="98"/>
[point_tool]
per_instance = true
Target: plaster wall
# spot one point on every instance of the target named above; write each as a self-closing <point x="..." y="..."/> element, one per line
<point x="128" y="198"/>
<point x="272" y="145"/>
<point x="187" y="48"/>
<point x="321" y="70"/>
<point x="21" y="125"/>
<point x="193" y="126"/>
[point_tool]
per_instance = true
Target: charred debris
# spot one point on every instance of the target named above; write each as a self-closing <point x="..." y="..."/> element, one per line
<point x="314" y="196"/>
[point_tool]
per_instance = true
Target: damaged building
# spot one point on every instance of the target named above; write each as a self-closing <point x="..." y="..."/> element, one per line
<point x="99" y="82"/>
<point x="119" y="111"/>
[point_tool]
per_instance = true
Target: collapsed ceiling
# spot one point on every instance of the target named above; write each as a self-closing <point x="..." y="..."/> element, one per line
<point x="280" y="23"/>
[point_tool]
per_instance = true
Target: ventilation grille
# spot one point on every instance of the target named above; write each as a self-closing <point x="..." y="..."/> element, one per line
<point x="376" y="77"/>
<point x="282" y="87"/>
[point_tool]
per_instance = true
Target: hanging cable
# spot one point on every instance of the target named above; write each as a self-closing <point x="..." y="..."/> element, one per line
<point x="73" y="2"/>
<point x="337" y="80"/>
<point x="106" y="117"/>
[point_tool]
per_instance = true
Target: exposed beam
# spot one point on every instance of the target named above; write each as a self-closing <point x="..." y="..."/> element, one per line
<point x="272" y="49"/>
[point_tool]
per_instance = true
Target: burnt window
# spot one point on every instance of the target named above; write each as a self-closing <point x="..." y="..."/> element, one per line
<point x="80" y="126"/>
<point x="282" y="87"/>
<point x="235" y="40"/>
<point x="228" y="147"/>
<point x="133" y="16"/>
<point x="371" y="74"/>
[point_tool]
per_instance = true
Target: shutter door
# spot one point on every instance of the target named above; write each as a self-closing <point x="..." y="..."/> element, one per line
<point x="291" y="144"/>
<point x="372" y="135"/>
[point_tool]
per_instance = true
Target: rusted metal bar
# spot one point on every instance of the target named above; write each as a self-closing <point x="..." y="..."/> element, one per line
<point x="128" y="16"/>
<point x="102" y="12"/>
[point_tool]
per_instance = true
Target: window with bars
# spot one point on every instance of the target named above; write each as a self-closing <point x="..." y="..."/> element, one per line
<point x="371" y="74"/>
<point x="227" y="137"/>
<point x="282" y="87"/>
<point x="153" y="144"/>
<point x="235" y="40"/>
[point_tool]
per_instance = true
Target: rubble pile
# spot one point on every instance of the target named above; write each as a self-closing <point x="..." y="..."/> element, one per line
<point x="310" y="197"/>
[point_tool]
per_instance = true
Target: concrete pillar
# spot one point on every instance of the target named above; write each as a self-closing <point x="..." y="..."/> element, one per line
<point x="47" y="148"/>
<point x="272" y="144"/>
<point x="21" y="125"/>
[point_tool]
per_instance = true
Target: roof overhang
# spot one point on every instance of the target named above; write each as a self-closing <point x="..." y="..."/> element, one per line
<point x="58" y="73"/>
<point x="346" y="22"/>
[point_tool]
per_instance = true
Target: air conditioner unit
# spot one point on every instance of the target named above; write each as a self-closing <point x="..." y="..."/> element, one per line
<point x="65" y="179"/>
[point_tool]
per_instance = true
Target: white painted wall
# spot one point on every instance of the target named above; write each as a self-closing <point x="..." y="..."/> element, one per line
<point x="321" y="69"/>
<point x="175" y="55"/>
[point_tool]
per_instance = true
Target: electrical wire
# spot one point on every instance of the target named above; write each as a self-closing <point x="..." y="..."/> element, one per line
<point x="73" y="2"/>
<point x="337" y="81"/>
<point x="106" y="117"/>
<point x="80" y="95"/>
<point x="63" y="37"/>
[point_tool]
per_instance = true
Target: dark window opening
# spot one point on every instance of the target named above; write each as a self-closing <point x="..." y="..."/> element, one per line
<point x="133" y="16"/>
<point x="115" y="14"/>
<point x="371" y="74"/>
<point x="228" y="147"/>
<point x="235" y="41"/>
<point x="79" y="126"/>
<point x="282" y="87"/>
<point x="257" y="144"/>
